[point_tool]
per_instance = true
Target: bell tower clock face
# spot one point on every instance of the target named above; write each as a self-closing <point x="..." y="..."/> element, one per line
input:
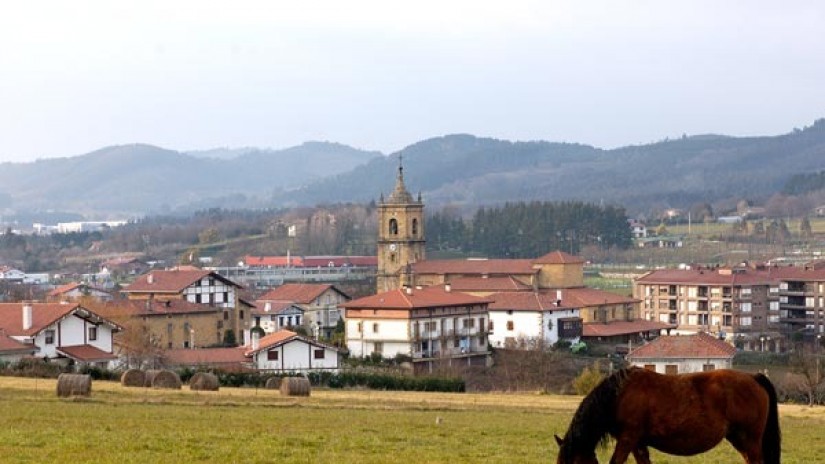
<point x="393" y="247"/>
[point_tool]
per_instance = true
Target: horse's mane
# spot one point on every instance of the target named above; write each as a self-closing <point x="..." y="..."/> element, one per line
<point x="594" y="418"/>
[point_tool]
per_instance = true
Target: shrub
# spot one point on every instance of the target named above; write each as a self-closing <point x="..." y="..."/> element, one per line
<point x="588" y="379"/>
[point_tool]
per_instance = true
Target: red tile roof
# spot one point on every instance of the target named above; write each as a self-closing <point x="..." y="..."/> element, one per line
<point x="428" y="297"/>
<point x="558" y="257"/>
<point x="711" y="276"/>
<point x="172" y="281"/>
<point x="309" y="261"/>
<point x="64" y="289"/>
<point x="43" y="315"/>
<point x="205" y="356"/>
<point x="273" y="261"/>
<point x="612" y="329"/>
<point x="86" y="353"/>
<point x="526" y="301"/>
<point x="475" y="266"/>
<point x="700" y="345"/>
<point x="490" y="284"/>
<point x="298" y="293"/>
<point x="584" y="297"/>
<point x="283" y="336"/>
<point x="9" y="345"/>
<point x="158" y="307"/>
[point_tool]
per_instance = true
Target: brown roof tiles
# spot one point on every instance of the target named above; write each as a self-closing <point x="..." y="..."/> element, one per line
<point x="700" y="345"/>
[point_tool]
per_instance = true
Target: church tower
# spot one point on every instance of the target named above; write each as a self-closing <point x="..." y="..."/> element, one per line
<point x="400" y="235"/>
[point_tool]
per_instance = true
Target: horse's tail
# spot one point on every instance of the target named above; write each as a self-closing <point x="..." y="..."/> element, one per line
<point x="771" y="437"/>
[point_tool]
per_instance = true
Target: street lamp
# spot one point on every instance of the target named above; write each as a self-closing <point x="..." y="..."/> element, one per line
<point x="762" y="339"/>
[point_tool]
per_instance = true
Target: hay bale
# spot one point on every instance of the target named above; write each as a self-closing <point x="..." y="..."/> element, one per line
<point x="133" y="378"/>
<point x="273" y="383"/>
<point x="167" y="380"/>
<point x="295" y="386"/>
<point x="149" y="376"/>
<point x="204" y="381"/>
<point x="74" y="385"/>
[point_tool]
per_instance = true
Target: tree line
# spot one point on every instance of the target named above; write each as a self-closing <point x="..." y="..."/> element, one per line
<point x="526" y="230"/>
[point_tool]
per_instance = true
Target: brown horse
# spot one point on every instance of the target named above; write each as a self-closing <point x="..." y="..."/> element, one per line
<point x="677" y="414"/>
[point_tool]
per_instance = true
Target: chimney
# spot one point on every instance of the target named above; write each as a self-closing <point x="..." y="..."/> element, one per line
<point x="448" y="288"/>
<point x="268" y="306"/>
<point x="150" y="279"/>
<point x="558" y="295"/>
<point x="409" y="290"/>
<point x="27" y="315"/>
<point x="256" y="338"/>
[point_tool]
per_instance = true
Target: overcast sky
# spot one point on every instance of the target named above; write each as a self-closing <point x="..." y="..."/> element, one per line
<point x="80" y="75"/>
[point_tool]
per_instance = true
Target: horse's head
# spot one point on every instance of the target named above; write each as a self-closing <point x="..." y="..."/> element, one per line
<point x="576" y="458"/>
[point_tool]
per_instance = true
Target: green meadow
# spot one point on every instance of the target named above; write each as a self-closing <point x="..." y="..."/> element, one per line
<point x="127" y="425"/>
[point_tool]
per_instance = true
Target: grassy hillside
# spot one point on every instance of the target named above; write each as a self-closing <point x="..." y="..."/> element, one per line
<point x="120" y="425"/>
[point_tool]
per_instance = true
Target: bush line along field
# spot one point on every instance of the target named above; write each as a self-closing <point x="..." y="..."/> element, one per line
<point x="136" y="425"/>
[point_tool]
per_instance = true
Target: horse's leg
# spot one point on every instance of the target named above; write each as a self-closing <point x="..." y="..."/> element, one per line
<point x="624" y="447"/>
<point x="641" y="455"/>
<point x="750" y="449"/>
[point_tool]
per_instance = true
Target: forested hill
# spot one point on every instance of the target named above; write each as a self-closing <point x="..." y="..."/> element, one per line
<point x="466" y="170"/>
<point x="140" y="178"/>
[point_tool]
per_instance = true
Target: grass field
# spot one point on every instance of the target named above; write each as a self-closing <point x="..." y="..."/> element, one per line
<point x="120" y="425"/>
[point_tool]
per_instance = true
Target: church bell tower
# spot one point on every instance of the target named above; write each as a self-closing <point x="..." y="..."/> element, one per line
<point x="400" y="235"/>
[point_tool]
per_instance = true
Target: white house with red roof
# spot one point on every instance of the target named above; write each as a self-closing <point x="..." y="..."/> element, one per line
<point x="532" y="319"/>
<point x="429" y="325"/>
<point x="318" y="302"/>
<point x="286" y="351"/>
<point x="60" y="331"/>
<point x="76" y="290"/>
<point x="679" y="354"/>
<point x="12" y="351"/>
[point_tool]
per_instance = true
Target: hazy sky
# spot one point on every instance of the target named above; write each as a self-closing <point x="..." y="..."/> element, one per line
<point x="79" y="75"/>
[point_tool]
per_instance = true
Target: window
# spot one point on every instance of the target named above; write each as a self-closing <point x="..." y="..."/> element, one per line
<point x="708" y="367"/>
<point x="240" y="314"/>
<point x="272" y="355"/>
<point x="226" y="315"/>
<point x="393" y="227"/>
<point x="650" y="367"/>
<point x="49" y="335"/>
<point x="671" y="369"/>
<point x="319" y="353"/>
<point x="92" y="334"/>
<point x="378" y="347"/>
<point x="415" y="226"/>
<point x="375" y="327"/>
<point x="360" y="327"/>
<point x="509" y="325"/>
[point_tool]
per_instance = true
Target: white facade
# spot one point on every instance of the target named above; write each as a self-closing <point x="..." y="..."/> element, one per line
<point x="297" y="355"/>
<point x="71" y="331"/>
<point x="211" y="291"/>
<point x="510" y="327"/>
<point x="447" y="335"/>
<point x="681" y="365"/>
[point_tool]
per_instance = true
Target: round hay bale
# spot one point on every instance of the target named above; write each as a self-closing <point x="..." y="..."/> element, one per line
<point x="149" y="376"/>
<point x="133" y="378"/>
<point x="295" y="386"/>
<point x="204" y="381"/>
<point x="74" y="385"/>
<point x="273" y="383"/>
<point x="167" y="380"/>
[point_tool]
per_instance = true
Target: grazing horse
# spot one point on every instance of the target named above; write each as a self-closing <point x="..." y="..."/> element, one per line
<point x="677" y="414"/>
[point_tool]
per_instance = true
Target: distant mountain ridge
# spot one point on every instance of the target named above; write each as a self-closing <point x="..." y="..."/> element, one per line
<point x="462" y="170"/>
<point x="138" y="178"/>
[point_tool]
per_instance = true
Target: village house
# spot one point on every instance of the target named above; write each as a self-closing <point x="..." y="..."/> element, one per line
<point x="75" y="291"/>
<point x="60" y="332"/>
<point x="680" y="354"/>
<point x="318" y="303"/>
<point x="198" y="307"/>
<point x="272" y="316"/>
<point x="532" y="320"/>
<point x="226" y="359"/>
<point x="429" y="325"/>
<point x="12" y="351"/>
<point x="287" y="352"/>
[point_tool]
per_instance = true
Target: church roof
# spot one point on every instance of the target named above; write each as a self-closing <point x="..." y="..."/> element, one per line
<point x="400" y="195"/>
